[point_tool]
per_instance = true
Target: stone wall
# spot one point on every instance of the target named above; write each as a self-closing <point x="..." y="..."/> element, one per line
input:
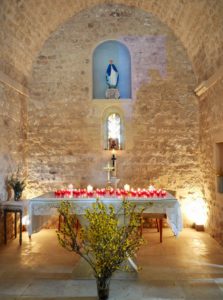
<point x="211" y="124"/>
<point x="13" y="129"/>
<point x="161" y="121"/>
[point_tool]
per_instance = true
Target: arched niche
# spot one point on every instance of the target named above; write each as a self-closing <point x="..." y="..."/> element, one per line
<point x="120" y="55"/>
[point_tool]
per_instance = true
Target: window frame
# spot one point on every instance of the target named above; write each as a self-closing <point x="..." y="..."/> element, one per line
<point x="107" y="113"/>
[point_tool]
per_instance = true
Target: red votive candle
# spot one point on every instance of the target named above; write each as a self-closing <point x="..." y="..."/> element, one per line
<point x="124" y="193"/>
<point x="163" y="193"/>
<point x="57" y="193"/>
<point x="118" y="192"/>
<point x="147" y="194"/>
<point x="139" y="193"/>
<point x="103" y="192"/>
<point x="133" y="193"/>
<point x="158" y="193"/>
<point x="90" y="194"/>
<point x="111" y="192"/>
<point x="143" y="193"/>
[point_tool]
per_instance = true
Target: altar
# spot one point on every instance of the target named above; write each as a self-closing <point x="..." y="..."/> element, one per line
<point x="41" y="208"/>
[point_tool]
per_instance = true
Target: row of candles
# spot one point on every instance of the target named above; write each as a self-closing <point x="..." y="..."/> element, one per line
<point x="90" y="192"/>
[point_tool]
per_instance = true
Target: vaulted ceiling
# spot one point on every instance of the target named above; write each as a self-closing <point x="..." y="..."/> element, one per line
<point x="25" y="26"/>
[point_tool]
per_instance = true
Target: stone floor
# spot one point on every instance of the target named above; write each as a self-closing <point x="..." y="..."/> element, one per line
<point x="187" y="267"/>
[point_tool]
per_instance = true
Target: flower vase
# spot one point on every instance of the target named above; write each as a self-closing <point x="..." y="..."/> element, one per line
<point x="103" y="287"/>
<point x="17" y="195"/>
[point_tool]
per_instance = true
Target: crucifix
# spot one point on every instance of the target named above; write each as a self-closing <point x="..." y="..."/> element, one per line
<point x="109" y="169"/>
<point x="113" y="159"/>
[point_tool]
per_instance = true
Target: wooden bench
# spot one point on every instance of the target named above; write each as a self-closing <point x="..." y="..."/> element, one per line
<point x="159" y="222"/>
<point x="159" y="218"/>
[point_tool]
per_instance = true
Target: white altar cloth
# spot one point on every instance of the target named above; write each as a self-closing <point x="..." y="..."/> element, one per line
<point x="41" y="208"/>
<point x="14" y="204"/>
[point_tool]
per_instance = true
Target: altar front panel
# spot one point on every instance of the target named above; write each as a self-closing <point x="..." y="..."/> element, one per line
<point x="43" y="207"/>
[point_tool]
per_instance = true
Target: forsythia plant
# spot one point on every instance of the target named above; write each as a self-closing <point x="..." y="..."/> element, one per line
<point x="108" y="239"/>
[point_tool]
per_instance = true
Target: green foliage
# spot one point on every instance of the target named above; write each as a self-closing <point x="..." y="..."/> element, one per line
<point x="16" y="183"/>
<point x="107" y="240"/>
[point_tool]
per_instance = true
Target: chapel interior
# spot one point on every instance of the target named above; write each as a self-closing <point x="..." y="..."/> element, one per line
<point x="61" y="121"/>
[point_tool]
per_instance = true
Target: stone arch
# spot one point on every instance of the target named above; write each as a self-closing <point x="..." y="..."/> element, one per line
<point x="180" y="16"/>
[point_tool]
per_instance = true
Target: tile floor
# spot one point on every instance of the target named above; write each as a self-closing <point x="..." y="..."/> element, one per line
<point x="187" y="267"/>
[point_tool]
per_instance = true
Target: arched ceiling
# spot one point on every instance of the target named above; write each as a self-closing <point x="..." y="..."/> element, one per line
<point x="25" y="26"/>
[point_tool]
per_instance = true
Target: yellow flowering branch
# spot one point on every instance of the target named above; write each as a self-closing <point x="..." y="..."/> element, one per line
<point x="108" y="239"/>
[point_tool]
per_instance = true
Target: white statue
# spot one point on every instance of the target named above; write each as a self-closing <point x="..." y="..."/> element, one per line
<point x="112" y="75"/>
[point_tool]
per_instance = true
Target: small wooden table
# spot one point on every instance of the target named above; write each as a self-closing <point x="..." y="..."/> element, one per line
<point x="16" y="208"/>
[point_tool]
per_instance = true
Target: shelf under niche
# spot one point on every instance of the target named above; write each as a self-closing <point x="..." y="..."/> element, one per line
<point x="111" y="101"/>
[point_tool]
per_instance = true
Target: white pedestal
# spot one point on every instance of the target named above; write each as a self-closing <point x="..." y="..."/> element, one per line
<point x="114" y="182"/>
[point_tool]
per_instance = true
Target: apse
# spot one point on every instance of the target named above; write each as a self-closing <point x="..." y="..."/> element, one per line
<point x="54" y="127"/>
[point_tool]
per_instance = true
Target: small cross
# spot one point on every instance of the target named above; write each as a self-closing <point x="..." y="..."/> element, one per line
<point x="113" y="160"/>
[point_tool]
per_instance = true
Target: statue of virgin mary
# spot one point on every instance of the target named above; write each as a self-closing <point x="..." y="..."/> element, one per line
<point x="112" y="75"/>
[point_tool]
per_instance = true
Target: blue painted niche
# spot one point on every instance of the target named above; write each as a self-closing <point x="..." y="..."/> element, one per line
<point x="120" y="55"/>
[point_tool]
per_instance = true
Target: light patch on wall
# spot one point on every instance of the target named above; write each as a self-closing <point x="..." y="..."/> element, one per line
<point x="195" y="210"/>
<point x="29" y="193"/>
<point x="148" y="52"/>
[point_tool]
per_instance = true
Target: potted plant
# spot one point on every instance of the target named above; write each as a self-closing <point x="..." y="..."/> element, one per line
<point x="17" y="184"/>
<point x="105" y="242"/>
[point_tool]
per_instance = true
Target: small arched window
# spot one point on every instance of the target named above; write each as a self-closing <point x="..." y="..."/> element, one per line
<point x="114" y="132"/>
<point x="113" y="128"/>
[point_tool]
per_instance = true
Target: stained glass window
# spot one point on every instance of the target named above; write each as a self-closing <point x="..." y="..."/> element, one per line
<point x="114" y="131"/>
